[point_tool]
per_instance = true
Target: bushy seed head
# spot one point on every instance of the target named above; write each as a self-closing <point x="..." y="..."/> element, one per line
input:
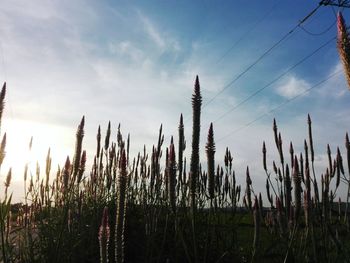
<point x="98" y="138"/>
<point x="172" y="176"/>
<point x="104" y="227"/>
<point x="343" y="45"/>
<point x="108" y="135"/>
<point x="264" y="156"/>
<point x="288" y="186"/>
<point x="210" y="149"/>
<point x="297" y="188"/>
<point x="275" y="132"/>
<point x="8" y="178"/>
<point x="66" y="173"/>
<point x="269" y="196"/>
<point x="291" y="151"/>
<point x="194" y="172"/>
<point x="280" y="149"/>
<point x="2" y="100"/>
<point x="310" y="138"/>
<point x="2" y="149"/>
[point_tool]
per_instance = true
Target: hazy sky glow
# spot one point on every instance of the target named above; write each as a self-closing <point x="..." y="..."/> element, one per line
<point x="134" y="63"/>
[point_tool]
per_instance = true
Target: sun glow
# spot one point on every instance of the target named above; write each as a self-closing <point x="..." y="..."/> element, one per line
<point x="19" y="153"/>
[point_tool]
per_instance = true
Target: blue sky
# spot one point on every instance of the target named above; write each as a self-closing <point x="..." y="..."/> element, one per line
<point x="134" y="63"/>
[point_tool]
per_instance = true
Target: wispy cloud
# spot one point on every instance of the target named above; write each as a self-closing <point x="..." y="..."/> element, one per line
<point x="162" y="40"/>
<point x="152" y="32"/>
<point x="126" y="48"/>
<point x="292" y="87"/>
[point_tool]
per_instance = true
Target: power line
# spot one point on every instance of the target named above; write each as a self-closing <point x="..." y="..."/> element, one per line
<point x="279" y="106"/>
<point x="246" y="33"/>
<point x="325" y="30"/>
<point x="320" y="33"/>
<point x="262" y="56"/>
<point x="275" y="80"/>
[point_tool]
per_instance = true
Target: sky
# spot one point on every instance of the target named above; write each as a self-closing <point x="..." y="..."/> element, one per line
<point x="135" y="62"/>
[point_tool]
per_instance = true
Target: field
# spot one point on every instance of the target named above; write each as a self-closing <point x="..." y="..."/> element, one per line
<point x="156" y="207"/>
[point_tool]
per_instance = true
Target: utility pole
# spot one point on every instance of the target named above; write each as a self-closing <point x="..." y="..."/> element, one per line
<point x="338" y="3"/>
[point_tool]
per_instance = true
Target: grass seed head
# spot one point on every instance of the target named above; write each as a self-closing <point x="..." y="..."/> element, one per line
<point x="210" y="149"/>
<point x="2" y="149"/>
<point x="264" y="156"/>
<point x="343" y="45"/>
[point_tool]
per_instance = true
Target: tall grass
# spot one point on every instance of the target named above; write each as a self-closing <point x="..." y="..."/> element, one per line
<point x="158" y="211"/>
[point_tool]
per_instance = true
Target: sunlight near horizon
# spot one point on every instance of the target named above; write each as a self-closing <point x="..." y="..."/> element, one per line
<point x="45" y="136"/>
